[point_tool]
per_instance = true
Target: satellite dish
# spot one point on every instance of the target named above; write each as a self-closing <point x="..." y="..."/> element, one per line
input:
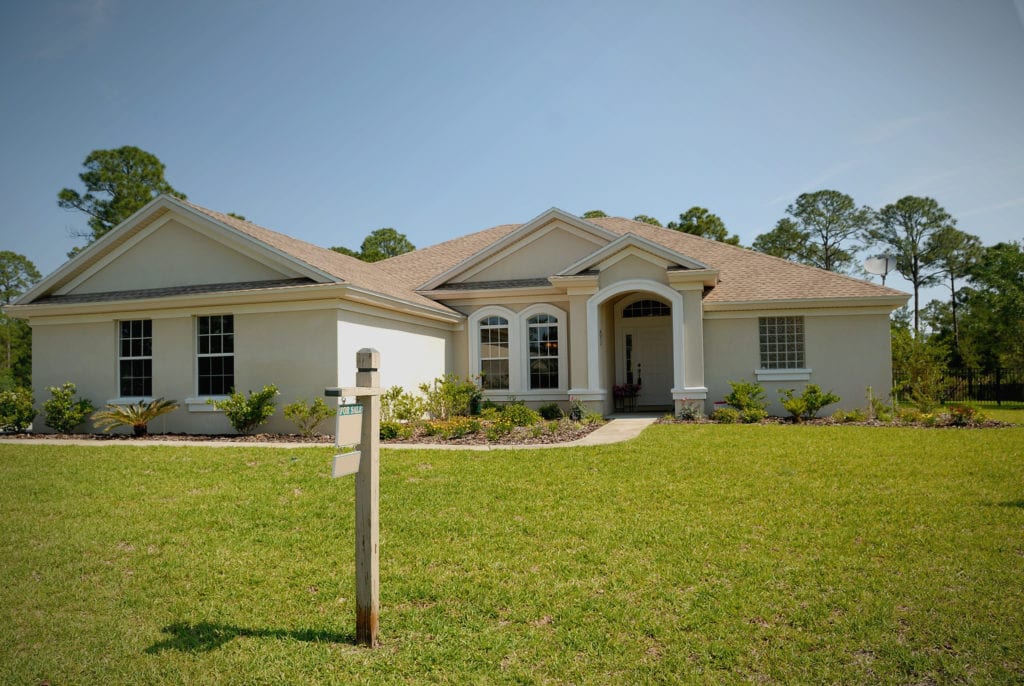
<point x="880" y="265"/>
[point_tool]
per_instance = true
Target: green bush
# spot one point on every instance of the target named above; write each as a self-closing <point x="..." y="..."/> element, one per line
<point x="964" y="415"/>
<point x="550" y="411"/>
<point x="490" y="413"/>
<point x="391" y="430"/>
<point x="807" y="404"/>
<point x="246" y="413"/>
<point x="726" y="415"/>
<point x="577" y="409"/>
<point x="876" y="407"/>
<point x="753" y="415"/>
<point x="397" y="404"/>
<point x="908" y="415"/>
<point x="849" y="416"/>
<point x="746" y="395"/>
<point x="450" y="396"/>
<point x="306" y="416"/>
<point x="519" y="415"/>
<point x="499" y="428"/>
<point x="63" y="412"/>
<point x="136" y="415"/>
<point x="16" y="409"/>
<point x="691" y="412"/>
<point x="592" y="418"/>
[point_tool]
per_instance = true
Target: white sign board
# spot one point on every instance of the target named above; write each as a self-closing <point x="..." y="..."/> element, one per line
<point x="345" y="464"/>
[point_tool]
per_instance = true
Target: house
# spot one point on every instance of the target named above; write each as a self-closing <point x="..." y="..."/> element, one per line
<point x="187" y="303"/>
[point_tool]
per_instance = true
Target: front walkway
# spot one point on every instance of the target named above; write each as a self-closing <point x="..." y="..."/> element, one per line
<point x="621" y="427"/>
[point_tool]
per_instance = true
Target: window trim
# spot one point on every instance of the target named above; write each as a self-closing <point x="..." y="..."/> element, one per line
<point x="513" y="344"/>
<point x="802" y="373"/>
<point x="200" y="402"/>
<point x="524" y="357"/>
<point x="519" y="351"/>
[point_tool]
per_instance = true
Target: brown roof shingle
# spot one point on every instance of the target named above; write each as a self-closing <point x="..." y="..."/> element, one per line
<point x="744" y="275"/>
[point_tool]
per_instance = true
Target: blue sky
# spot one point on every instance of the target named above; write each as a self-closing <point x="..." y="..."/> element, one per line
<point x="326" y="120"/>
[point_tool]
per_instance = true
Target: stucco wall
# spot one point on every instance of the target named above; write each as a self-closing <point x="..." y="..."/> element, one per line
<point x="540" y="257"/>
<point x="410" y="353"/>
<point x="847" y="353"/>
<point x="176" y="255"/>
<point x="294" y="350"/>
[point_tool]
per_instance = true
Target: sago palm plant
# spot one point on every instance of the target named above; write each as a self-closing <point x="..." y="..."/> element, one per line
<point x="136" y="415"/>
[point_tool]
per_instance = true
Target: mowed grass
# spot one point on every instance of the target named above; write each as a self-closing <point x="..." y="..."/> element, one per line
<point x="694" y="554"/>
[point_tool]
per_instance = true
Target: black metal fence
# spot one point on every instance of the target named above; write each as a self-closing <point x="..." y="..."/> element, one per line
<point x="998" y="386"/>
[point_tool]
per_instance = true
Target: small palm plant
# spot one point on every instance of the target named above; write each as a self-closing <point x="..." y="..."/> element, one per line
<point x="137" y="415"/>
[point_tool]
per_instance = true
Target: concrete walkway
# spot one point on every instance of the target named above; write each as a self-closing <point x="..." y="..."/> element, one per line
<point x="619" y="428"/>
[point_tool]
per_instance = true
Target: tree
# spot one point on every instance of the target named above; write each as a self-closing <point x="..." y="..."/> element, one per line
<point x="956" y="253"/>
<point x="117" y="183"/>
<point x="700" y="222"/>
<point x="786" y="240"/>
<point x="909" y="227"/>
<point x="379" y="245"/>
<point x="992" y="323"/>
<point x="824" y="224"/>
<point x="17" y="274"/>
<point x="646" y="220"/>
<point x="594" y="214"/>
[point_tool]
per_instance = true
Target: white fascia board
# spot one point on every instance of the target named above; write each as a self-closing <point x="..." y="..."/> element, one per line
<point x="502" y="243"/>
<point x="632" y="240"/>
<point x="889" y="302"/>
<point x="371" y="297"/>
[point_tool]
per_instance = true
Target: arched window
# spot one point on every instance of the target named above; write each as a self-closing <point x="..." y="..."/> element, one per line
<point x="542" y="334"/>
<point x="494" y="353"/>
<point x="647" y="308"/>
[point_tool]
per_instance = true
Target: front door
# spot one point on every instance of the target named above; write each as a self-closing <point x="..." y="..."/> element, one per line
<point x="646" y="359"/>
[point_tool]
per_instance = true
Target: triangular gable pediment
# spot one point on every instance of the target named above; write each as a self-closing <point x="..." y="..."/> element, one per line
<point x="165" y="245"/>
<point x="538" y="248"/>
<point x="631" y="244"/>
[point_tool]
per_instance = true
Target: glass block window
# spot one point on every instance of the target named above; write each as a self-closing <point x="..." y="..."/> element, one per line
<point x="647" y="308"/>
<point x="543" y="355"/>
<point x="782" y="342"/>
<point x="135" y="358"/>
<point x="215" y="353"/>
<point x="494" y="353"/>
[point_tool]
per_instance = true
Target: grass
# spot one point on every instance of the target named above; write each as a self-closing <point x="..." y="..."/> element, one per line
<point x="693" y="554"/>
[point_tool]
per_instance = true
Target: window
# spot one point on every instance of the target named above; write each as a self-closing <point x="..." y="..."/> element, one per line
<point x="215" y="351"/>
<point x="543" y="353"/>
<point x="647" y="308"/>
<point x="494" y="348"/>
<point x="782" y="342"/>
<point x="135" y="358"/>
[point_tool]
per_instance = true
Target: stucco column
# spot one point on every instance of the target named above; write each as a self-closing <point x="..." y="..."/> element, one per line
<point x="578" y="342"/>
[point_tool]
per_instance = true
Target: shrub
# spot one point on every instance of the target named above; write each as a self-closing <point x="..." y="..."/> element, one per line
<point x="519" y="415"/>
<point x="592" y="418"/>
<point x="391" y="429"/>
<point x="16" y="409"/>
<point x="746" y="395"/>
<point x="726" y="415"/>
<point x="577" y="409"/>
<point x="63" y="412"/>
<point x="908" y="415"/>
<point x="498" y="429"/>
<point x="807" y="404"/>
<point x="246" y="413"/>
<point x="876" y="407"/>
<point x="136" y="415"/>
<point x="550" y="411"/>
<point x="964" y="415"/>
<point x="450" y="396"/>
<point x="753" y="415"/>
<point x="848" y="416"/>
<point x="306" y="416"/>
<point x="397" y="404"/>
<point x="456" y="427"/>
<point x="691" y="412"/>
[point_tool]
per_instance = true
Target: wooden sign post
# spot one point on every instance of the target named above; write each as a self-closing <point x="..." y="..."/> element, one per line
<point x="365" y="464"/>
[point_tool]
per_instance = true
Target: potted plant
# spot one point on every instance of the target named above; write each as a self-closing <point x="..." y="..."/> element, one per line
<point x="625" y="396"/>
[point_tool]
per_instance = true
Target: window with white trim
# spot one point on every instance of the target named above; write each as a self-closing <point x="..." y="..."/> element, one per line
<point x="215" y="354"/>
<point x="542" y="330"/>
<point x="782" y="342"/>
<point x="494" y="353"/>
<point x="135" y="358"/>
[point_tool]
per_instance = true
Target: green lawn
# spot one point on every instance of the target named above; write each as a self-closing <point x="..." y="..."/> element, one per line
<point x="694" y="554"/>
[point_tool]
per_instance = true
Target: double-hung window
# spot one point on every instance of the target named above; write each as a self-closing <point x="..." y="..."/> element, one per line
<point x="215" y="353"/>
<point x="494" y="349"/>
<point x="543" y="355"/>
<point x="135" y="358"/>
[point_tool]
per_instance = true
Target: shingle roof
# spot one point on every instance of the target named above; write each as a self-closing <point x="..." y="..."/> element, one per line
<point x="365" y="275"/>
<point x="744" y="275"/>
<point x="142" y="293"/>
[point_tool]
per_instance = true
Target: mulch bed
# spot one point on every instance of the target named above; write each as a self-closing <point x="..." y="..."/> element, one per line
<point x="562" y="432"/>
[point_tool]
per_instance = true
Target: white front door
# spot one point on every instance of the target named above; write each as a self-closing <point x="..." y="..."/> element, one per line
<point x="645" y="349"/>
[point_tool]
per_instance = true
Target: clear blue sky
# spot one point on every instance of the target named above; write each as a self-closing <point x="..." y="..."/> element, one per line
<point x="326" y="120"/>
